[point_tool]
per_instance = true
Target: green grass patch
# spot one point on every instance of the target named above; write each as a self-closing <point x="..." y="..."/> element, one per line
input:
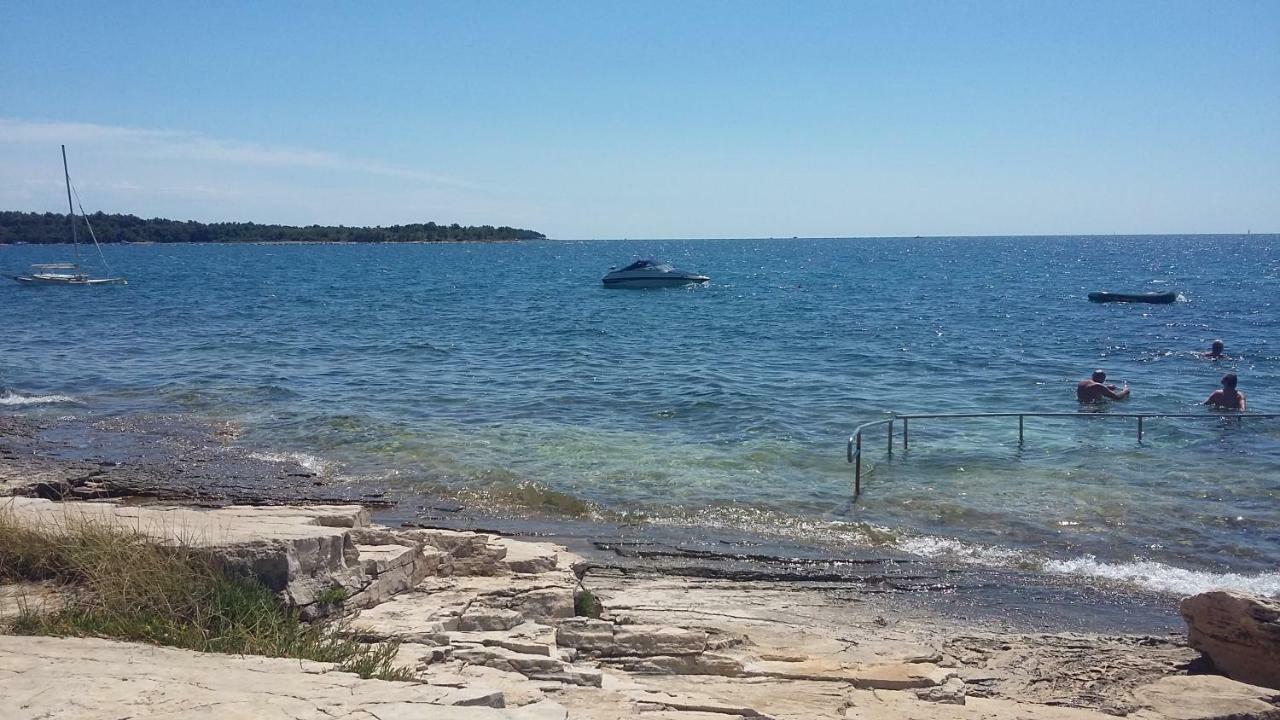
<point x="120" y="585"/>
<point x="586" y="604"/>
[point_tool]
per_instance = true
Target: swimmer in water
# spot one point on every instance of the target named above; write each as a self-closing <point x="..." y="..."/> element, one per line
<point x="1216" y="352"/>
<point x="1094" y="390"/>
<point x="1228" y="398"/>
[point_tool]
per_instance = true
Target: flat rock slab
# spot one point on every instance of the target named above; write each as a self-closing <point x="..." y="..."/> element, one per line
<point x="882" y="705"/>
<point x="529" y="557"/>
<point x="1202" y="697"/>
<point x="528" y="638"/>
<point x="87" y="679"/>
<point x="193" y="527"/>
<point x="821" y="626"/>
<point x="741" y="697"/>
<point x="471" y="603"/>
<point x="606" y="639"/>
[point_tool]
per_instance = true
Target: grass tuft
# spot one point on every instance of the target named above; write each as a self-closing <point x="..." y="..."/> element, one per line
<point x="586" y="604"/>
<point x="121" y="585"/>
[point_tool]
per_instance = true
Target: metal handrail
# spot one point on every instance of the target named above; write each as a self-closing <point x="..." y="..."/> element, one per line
<point x="854" y="449"/>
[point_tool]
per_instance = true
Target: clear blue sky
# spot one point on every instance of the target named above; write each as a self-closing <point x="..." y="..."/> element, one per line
<point x="653" y="119"/>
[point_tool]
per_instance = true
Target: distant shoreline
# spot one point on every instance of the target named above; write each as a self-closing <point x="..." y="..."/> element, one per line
<point x="278" y="242"/>
<point x="56" y="228"/>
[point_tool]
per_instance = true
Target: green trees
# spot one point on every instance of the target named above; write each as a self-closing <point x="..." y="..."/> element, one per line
<point x="37" y="228"/>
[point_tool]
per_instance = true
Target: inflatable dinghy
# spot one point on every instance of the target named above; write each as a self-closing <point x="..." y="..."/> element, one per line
<point x="1155" y="298"/>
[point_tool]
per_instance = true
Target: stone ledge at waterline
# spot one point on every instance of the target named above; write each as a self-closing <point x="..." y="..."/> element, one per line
<point x="485" y="627"/>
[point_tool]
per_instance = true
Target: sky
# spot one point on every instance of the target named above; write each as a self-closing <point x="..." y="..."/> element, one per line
<point x="656" y="119"/>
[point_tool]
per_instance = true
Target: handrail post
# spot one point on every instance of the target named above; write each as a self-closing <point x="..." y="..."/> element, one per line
<point x="890" y="437"/>
<point x="904" y="434"/>
<point x="1020" y="417"/>
<point x="1139" y="428"/>
<point x="857" y="466"/>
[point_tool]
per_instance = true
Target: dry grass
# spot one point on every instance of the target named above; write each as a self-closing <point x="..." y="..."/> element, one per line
<point x="122" y="586"/>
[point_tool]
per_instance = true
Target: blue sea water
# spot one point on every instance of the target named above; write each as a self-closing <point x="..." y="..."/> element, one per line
<point x="506" y="374"/>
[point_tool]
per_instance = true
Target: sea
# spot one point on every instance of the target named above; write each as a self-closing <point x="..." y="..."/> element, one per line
<point x="507" y="377"/>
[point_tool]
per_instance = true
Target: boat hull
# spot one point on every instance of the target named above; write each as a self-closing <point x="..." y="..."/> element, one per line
<point x="654" y="282"/>
<point x="67" y="280"/>
<point x="1151" y="298"/>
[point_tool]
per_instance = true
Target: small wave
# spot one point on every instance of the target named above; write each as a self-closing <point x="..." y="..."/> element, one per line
<point x="1145" y="574"/>
<point x="1165" y="578"/>
<point x="16" y="399"/>
<point x="935" y="547"/>
<point x="310" y="462"/>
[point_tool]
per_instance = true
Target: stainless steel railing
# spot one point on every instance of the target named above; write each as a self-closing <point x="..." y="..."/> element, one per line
<point x="854" y="450"/>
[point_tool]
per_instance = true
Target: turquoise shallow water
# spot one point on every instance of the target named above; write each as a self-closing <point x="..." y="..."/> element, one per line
<point x="506" y="374"/>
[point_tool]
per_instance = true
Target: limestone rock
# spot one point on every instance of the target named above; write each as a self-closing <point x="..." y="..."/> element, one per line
<point x="404" y="619"/>
<point x="94" y="679"/>
<point x="528" y="638"/>
<point x="880" y="705"/>
<point x="302" y="553"/>
<point x="878" y="676"/>
<point x="336" y="516"/>
<point x="704" y="664"/>
<point x="599" y="637"/>
<point x="541" y="710"/>
<point x="950" y="692"/>
<point x="516" y="688"/>
<point x="544" y="604"/>
<point x="393" y="569"/>
<point x="479" y="617"/>
<point x="528" y="557"/>
<point x="646" y="640"/>
<point x="709" y="697"/>
<point x="536" y="667"/>
<point x="585" y="634"/>
<point x="900" y="676"/>
<point x="1200" y="697"/>
<point x="469" y="553"/>
<point x="1239" y="633"/>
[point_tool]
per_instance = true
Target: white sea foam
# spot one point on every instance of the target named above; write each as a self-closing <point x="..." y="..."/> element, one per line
<point x="9" y="397"/>
<point x="1165" y="578"/>
<point x="936" y="547"/>
<point x="310" y="462"/>
<point x="1145" y="574"/>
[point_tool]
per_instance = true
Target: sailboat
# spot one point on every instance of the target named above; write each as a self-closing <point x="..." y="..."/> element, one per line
<point x="70" y="273"/>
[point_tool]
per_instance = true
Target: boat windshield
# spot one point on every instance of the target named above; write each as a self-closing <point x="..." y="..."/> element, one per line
<point x="648" y="265"/>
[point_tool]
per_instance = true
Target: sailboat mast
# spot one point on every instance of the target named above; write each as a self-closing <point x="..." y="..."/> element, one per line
<point x="71" y="210"/>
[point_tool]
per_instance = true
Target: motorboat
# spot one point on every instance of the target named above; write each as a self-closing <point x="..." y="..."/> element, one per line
<point x="651" y="274"/>
<point x="1163" y="298"/>
<point x="70" y="273"/>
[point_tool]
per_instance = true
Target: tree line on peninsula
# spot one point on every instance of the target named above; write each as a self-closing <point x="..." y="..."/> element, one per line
<point x="42" y="228"/>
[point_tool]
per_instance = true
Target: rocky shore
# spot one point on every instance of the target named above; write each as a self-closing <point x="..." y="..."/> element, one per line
<point x="491" y="628"/>
<point x="498" y="627"/>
